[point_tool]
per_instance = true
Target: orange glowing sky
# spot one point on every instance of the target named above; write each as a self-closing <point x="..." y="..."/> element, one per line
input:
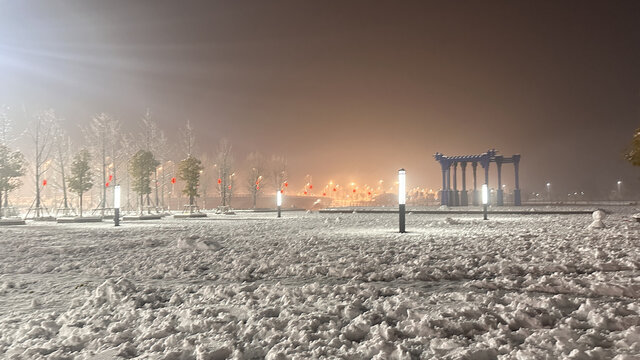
<point x="348" y="90"/>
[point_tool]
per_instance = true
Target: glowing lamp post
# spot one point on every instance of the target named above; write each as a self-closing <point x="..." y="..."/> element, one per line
<point x="619" y="189"/>
<point x="549" y="191"/>
<point x="485" y="200"/>
<point x="402" y="198"/>
<point x="116" y="205"/>
<point x="279" y="201"/>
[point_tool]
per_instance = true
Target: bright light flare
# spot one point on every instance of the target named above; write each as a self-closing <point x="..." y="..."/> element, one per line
<point x="485" y="194"/>
<point x="116" y="197"/>
<point x="402" y="182"/>
<point x="279" y="198"/>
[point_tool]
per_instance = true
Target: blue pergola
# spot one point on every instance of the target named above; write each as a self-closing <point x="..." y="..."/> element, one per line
<point x="453" y="197"/>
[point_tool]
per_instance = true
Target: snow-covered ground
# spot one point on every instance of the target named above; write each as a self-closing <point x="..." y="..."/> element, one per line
<point x="250" y="286"/>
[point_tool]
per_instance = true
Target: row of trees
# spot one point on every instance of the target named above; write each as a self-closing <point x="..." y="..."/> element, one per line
<point x="108" y="150"/>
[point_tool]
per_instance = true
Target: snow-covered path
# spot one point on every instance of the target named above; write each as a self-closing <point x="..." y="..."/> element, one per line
<point x="323" y="286"/>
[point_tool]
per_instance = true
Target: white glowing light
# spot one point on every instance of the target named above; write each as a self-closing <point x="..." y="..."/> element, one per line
<point x="279" y="198"/>
<point x="402" y="181"/>
<point x="116" y="197"/>
<point x="485" y="194"/>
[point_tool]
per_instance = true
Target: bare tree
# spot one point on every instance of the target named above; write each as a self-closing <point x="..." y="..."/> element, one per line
<point x="257" y="175"/>
<point x="42" y="133"/>
<point x="188" y="139"/>
<point x="128" y="148"/>
<point x="278" y="167"/>
<point x="104" y="136"/>
<point x="62" y="144"/>
<point x="224" y="164"/>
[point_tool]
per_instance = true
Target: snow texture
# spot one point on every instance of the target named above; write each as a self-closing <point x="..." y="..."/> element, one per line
<point x="314" y="285"/>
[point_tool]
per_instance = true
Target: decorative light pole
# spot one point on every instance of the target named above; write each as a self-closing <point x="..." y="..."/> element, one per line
<point x="485" y="200"/>
<point x="116" y="205"/>
<point x="279" y="201"/>
<point x="549" y="191"/>
<point x="620" y="189"/>
<point x="402" y="199"/>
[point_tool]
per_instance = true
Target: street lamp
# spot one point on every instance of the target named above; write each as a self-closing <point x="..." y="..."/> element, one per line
<point x="549" y="191"/>
<point x="620" y="189"/>
<point x="116" y="205"/>
<point x="485" y="200"/>
<point x="279" y="201"/>
<point x="402" y="198"/>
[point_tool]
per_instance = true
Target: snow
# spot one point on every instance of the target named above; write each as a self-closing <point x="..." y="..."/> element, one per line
<point x="314" y="285"/>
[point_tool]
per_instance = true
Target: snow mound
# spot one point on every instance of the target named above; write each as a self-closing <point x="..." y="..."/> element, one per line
<point x="450" y="221"/>
<point x="197" y="243"/>
<point x="597" y="223"/>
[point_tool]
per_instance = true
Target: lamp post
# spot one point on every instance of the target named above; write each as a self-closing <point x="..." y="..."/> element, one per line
<point x="116" y="205"/>
<point x="279" y="201"/>
<point x="402" y="199"/>
<point x="549" y="192"/>
<point x="485" y="200"/>
<point x="620" y="189"/>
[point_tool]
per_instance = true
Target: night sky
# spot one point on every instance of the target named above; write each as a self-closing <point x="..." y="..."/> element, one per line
<point x="348" y="90"/>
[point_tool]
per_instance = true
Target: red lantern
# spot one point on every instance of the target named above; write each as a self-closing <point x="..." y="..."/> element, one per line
<point x="369" y="193"/>
<point x="334" y="189"/>
<point x="354" y="190"/>
<point x="219" y="181"/>
<point x="110" y="177"/>
<point x="281" y="191"/>
<point x="173" y="180"/>
<point x="324" y="194"/>
<point x="310" y="186"/>
<point x="229" y="187"/>
<point x="44" y="182"/>
<point x="106" y="184"/>
<point x="257" y="187"/>
<point x="305" y="193"/>
<point x="286" y="184"/>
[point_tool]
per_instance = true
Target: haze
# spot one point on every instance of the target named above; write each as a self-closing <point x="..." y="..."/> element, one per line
<point x="348" y="90"/>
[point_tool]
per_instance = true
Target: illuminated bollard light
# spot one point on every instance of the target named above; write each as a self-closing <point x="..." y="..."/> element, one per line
<point x="485" y="199"/>
<point x="402" y="198"/>
<point x="279" y="201"/>
<point x="116" y="205"/>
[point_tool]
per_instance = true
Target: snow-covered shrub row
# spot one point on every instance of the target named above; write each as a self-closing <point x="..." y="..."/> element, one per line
<point x="323" y="286"/>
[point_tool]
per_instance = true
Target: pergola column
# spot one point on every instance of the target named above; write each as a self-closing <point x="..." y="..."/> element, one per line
<point x="456" y="197"/>
<point x="474" y="199"/>
<point x="499" y="192"/>
<point x="443" y="193"/>
<point x="464" y="201"/>
<point x="517" y="200"/>
<point x="449" y="202"/>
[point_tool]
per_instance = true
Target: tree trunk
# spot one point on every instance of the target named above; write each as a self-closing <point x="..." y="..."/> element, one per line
<point x="104" y="177"/>
<point x="255" y="198"/>
<point x="1" y="208"/>
<point x="81" y="204"/>
<point x="155" y="176"/>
